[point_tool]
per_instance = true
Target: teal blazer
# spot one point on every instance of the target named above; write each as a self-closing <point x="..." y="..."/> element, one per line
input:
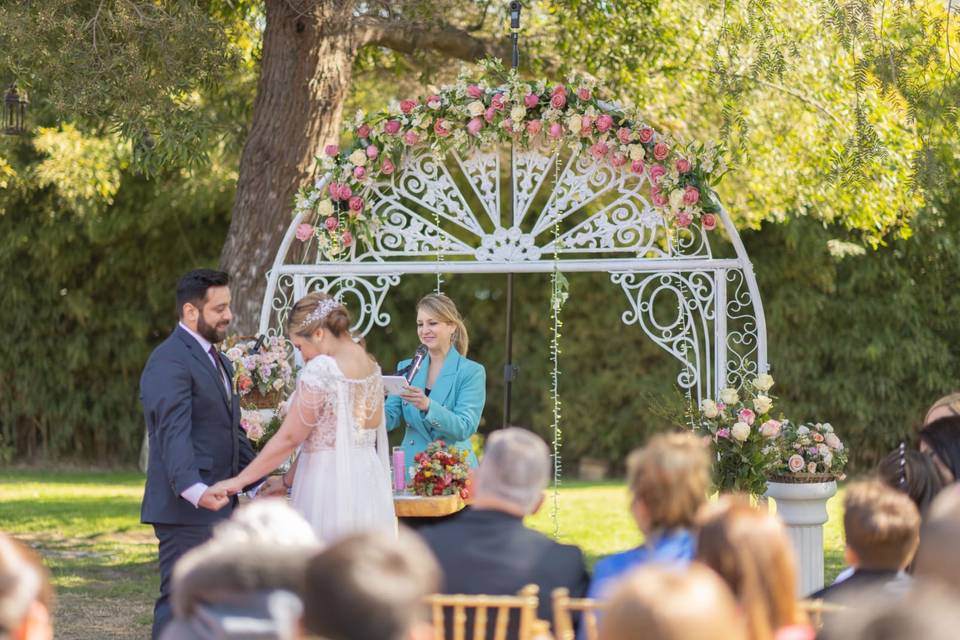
<point x="456" y="403"/>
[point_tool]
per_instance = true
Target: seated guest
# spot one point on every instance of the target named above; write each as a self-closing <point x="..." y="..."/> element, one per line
<point x="246" y="581"/>
<point x="25" y="593"/>
<point x="662" y="602"/>
<point x="882" y="527"/>
<point x="668" y="482"/>
<point x="938" y="556"/>
<point x="486" y="548"/>
<point x="914" y="474"/>
<point x="370" y="586"/>
<point x="948" y="405"/>
<point x="940" y="440"/>
<point x="750" y="551"/>
<point x="928" y="612"/>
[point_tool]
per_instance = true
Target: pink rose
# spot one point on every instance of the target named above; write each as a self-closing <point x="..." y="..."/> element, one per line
<point x="356" y="203"/>
<point x="723" y="433"/>
<point x="656" y="172"/>
<point x="795" y="463"/>
<point x="684" y="219"/>
<point x="683" y="165"/>
<point x="387" y="166"/>
<point x="346" y="238"/>
<point x="498" y="102"/>
<point x="531" y="100"/>
<point x="623" y="135"/>
<point x="709" y="221"/>
<point x="474" y="92"/>
<point x="372" y="152"/>
<point x="363" y="131"/>
<point x="556" y="130"/>
<point x="604" y="122"/>
<point x="618" y="160"/>
<point x="406" y="106"/>
<point x="659" y="199"/>
<point x="646" y="135"/>
<point x="583" y="93"/>
<point x="334" y="190"/>
<point x="660" y="151"/>
<point x="586" y="125"/>
<point x="359" y="173"/>
<point x="433" y="102"/>
<point x="558" y="101"/>
<point x="534" y="127"/>
<point x="440" y="128"/>
<point x="332" y="150"/>
<point x="392" y="127"/>
<point x="508" y="125"/>
<point x="489" y="114"/>
<point x="344" y="192"/>
<point x="304" y="232"/>
<point x="599" y="149"/>
<point x="559" y="90"/>
<point x="770" y="429"/>
<point x="411" y="137"/>
<point x="691" y="195"/>
<point x="474" y="126"/>
<point x="747" y="415"/>
<point x="330" y="223"/>
<point x="636" y="166"/>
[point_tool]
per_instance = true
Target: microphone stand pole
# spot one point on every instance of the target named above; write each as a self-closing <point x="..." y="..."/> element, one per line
<point x="509" y="370"/>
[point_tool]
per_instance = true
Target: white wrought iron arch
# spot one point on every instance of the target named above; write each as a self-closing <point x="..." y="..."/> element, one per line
<point x="601" y="220"/>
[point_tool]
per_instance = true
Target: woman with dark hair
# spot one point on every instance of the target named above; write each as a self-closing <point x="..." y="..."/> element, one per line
<point x="912" y="472"/>
<point x="940" y="440"/>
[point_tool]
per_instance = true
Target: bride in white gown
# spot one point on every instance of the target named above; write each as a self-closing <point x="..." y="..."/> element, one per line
<point x="341" y="481"/>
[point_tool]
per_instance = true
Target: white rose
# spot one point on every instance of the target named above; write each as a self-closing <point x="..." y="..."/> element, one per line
<point x="637" y="152"/>
<point x="740" y="431"/>
<point x="234" y="354"/>
<point x="802" y="430"/>
<point x="517" y="113"/>
<point x="763" y="382"/>
<point x="729" y="396"/>
<point x="828" y="459"/>
<point x="833" y="441"/>
<point x="475" y="108"/>
<point x="574" y="123"/>
<point x="812" y="467"/>
<point x="823" y="449"/>
<point x="709" y="408"/>
<point x="325" y="209"/>
<point x="358" y="158"/>
<point x="827" y="427"/>
<point x="762" y="404"/>
<point x="795" y="463"/>
<point x="676" y="199"/>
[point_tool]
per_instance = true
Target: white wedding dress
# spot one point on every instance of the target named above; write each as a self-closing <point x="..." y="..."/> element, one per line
<point x="342" y="481"/>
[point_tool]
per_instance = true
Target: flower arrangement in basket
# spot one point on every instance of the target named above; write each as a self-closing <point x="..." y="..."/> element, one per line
<point x="809" y="453"/>
<point x="441" y="470"/>
<point x="262" y="373"/>
<point x="743" y="435"/>
<point x="260" y="428"/>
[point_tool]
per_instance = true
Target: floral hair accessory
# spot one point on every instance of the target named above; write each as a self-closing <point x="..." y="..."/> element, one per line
<point x="322" y="311"/>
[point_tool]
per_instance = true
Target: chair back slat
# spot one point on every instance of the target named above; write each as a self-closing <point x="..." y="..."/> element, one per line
<point x="563" y="609"/>
<point x="478" y="607"/>
<point x="480" y="623"/>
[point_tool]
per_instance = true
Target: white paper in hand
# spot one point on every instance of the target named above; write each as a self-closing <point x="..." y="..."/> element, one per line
<point x="393" y="385"/>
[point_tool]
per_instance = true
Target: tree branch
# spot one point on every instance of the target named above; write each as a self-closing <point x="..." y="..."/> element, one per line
<point x="409" y="37"/>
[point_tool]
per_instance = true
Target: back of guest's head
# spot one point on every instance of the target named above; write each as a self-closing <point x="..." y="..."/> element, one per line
<point x="928" y="612"/>
<point x="669" y="477"/>
<point x="942" y="438"/>
<point x="881" y="525"/>
<point x="266" y="521"/>
<point x="948" y="405"/>
<point x="750" y="550"/>
<point x="938" y="556"/>
<point x="369" y="586"/>
<point x="913" y="473"/>
<point x="515" y="468"/>
<point x="26" y="595"/>
<point x="670" y="603"/>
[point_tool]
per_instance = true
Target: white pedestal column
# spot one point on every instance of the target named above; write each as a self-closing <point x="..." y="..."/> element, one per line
<point x="803" y="509"/>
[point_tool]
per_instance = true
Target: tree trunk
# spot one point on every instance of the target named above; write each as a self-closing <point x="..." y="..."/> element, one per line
<point x="305" y="75"/>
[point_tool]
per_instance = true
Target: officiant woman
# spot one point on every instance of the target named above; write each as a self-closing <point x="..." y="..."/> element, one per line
<point x="445" y="398"/>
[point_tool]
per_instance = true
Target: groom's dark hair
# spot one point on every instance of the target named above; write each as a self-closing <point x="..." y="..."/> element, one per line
<point x="192" y="287"/>
<point x="369" y="586"/>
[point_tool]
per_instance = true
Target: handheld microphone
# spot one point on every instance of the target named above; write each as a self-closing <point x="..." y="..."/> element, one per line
<point x="418" y="357"/>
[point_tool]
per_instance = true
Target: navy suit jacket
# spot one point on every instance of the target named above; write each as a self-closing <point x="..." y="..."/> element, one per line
<point x="194" y="429"/>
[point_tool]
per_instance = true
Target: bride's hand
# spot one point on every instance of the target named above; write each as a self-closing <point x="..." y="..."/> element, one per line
<point x="231" y="486"/>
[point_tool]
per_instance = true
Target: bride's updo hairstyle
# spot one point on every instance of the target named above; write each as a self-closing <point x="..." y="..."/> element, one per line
<point x="315" y="311"/>
<point x="442" y="308"/>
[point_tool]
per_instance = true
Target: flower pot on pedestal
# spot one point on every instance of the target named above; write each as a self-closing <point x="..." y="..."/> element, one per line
<point x="802" y="505"/>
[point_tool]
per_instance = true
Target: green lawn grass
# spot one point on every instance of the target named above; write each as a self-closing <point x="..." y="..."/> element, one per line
<point x="104" y="562"/>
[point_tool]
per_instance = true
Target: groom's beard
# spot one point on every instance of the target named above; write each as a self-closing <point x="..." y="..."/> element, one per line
<point x="212" y="333"/>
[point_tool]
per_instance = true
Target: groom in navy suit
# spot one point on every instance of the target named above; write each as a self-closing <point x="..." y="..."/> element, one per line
<point x="193" y="423"/>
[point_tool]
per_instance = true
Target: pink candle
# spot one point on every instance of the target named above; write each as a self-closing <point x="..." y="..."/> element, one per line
<point x="399" y="466"/>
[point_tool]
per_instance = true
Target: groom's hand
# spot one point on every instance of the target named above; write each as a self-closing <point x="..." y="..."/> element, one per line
<point x="213" y="500"/>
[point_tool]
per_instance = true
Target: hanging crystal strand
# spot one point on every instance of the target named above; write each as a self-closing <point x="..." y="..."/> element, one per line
<point x="440" y="248"/>
<point x="555" y="302"/>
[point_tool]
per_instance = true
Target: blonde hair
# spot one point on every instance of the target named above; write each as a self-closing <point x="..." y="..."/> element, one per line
<point x="670" y="477"/>
<point x="443" y="309"/>
<point x="749" y="549"/>
<point x="882" y="525"/>
<point x="664" y="603"/>
<point x="950" y="402"/>
<point x="23" y="580"/>
<point x="336" y="321"/>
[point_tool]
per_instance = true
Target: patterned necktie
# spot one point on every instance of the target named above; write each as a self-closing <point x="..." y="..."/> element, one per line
<point x="217" y="364"/>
